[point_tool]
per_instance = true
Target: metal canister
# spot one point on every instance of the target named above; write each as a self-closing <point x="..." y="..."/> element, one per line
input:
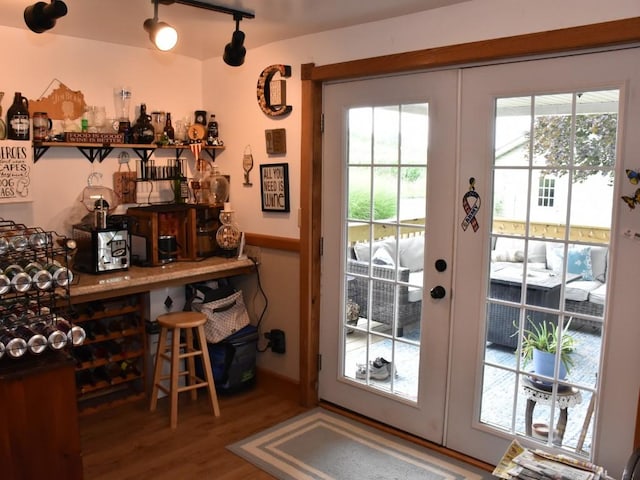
<point x="18" y="242"/>
<point x="75" y="333"/>
<point x="5" y="284"/>
<point x="41" y="278"/>
<point x="4" y="245"/>
<point x="36" y="342"/>
<point x="14" y="346"/>
<point x="56" y="339"/>
<point x="62" y="276"/>
<point x="20" y="280"/>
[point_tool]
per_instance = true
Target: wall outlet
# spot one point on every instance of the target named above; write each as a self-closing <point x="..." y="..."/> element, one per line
<point x="254" y="252"/>
<point x="276" y="341"/>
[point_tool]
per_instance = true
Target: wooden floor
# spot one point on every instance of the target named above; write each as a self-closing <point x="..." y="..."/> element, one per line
<point x="130" y="442"/>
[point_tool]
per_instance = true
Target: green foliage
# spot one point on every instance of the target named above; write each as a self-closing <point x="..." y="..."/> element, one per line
<point x="545" y="338"/>
<point x="384" y="204"/>
<point x="595" y="143"/>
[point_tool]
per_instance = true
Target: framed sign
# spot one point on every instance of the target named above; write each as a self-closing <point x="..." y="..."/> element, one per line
<point x="16" y="159"/>
<point x="274" y="187"/>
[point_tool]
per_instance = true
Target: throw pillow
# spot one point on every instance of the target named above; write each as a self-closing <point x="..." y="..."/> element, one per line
<point x="382" y="257"/>
<point x="578" y="262"/>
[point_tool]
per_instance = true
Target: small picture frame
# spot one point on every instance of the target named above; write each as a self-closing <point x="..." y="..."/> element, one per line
<point x="274" y="187"/>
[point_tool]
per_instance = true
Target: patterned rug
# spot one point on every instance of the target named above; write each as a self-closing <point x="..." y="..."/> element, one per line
<point x="323" y="445"/>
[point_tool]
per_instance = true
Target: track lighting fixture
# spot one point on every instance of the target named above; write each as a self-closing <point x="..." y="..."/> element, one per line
<point x="161" y="34"/>
<point x="234" y="52"/>
<point x="41" y="16"/>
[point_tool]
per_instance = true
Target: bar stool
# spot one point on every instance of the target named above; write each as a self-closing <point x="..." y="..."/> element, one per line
<point x="175" y="322"/>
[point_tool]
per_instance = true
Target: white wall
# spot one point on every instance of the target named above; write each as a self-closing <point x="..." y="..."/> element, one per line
<point x="231" y="93"/>
<point x="164" y="82"/>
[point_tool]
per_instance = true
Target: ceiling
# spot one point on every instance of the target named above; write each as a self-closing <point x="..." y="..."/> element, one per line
<point x="203" y="34"/>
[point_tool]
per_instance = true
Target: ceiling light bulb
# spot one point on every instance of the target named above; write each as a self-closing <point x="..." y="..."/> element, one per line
<point x="166" y="36"/>
<point x="161" y="34"/>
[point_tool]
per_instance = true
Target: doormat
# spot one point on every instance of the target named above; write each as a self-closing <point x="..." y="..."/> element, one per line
<point x="324" y="445"/>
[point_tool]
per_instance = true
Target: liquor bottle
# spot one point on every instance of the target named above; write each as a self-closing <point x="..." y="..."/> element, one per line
<point x="169" y="131"/>
<point x="143" y="131"/>
<point x="18" y="118"/>
<point x="212" y="130"/>
<point x="180" y="185"/>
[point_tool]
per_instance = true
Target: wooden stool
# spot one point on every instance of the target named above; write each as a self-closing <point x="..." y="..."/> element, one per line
<point x="175" y="322"/>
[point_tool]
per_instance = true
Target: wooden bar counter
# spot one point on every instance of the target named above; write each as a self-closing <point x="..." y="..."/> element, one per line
<point x="87" y="287"/>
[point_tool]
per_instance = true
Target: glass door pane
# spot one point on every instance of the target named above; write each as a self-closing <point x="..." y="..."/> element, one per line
<point x="384" y="250"/>
<point x="553" y="173"/>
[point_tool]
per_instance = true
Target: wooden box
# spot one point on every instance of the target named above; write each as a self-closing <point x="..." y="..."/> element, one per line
<point x="151" y="227"/>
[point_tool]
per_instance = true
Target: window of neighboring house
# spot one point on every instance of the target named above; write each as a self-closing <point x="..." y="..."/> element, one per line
<point x="546" y="191"/>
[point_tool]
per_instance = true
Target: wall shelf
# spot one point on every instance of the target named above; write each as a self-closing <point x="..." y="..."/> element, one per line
<point x="100" y="151"/>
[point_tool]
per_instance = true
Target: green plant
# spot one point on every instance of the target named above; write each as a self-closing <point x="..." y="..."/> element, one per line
<point x="546" y="338"/>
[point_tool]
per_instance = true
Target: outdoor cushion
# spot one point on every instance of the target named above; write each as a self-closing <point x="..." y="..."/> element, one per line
<point x="579" y="290"/>
<point x="415" y="292"/>
<point x="598" y="295"/>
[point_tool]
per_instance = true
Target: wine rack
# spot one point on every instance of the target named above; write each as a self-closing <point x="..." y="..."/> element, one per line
<point x="110" y="363"/>
<point x="34" y="293"/>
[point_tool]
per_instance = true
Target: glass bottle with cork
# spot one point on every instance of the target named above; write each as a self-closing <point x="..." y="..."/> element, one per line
<point x="169" y="131"/>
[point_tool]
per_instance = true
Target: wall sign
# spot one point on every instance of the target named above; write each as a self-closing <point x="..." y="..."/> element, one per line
<point x="273" y="105"/>
<point x="276" y="141"/>
<point x="16" y="159"/>
<point x="62" y="103"/>
<point x="274" y="187"/>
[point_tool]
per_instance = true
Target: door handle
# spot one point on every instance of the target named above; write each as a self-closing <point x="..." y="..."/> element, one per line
<point x="438" y="292"/>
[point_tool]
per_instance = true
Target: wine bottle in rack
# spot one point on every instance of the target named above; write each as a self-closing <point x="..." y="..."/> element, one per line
<point x="41" y="278"/>
<point x="62" y="276"/>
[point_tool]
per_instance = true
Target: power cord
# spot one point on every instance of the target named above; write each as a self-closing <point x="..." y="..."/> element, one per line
<point x="264" y="309"/>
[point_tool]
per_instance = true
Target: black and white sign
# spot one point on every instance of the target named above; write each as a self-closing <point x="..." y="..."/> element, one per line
<point x="274" y="187"/>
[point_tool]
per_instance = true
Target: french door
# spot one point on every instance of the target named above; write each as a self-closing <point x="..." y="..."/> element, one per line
<point x="389" y="178"/>
<point x="516" y="182"/>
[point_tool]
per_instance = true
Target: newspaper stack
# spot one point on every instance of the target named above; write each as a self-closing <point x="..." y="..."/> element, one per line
<point x="525" y="464"/>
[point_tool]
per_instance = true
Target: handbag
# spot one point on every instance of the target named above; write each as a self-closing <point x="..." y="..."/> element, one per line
<point x="224" y="316"/>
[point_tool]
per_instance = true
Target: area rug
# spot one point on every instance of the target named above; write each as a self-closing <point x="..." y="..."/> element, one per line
<point x="320" y="444"/>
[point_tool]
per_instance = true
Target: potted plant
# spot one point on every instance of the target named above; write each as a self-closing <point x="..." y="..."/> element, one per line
<point x="540" y="344"/>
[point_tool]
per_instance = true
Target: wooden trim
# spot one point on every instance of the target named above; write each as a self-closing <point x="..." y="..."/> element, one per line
<point x="276" y="243"/>
<point x="310" y="233"/>
<point x="600" y="35"/>
<point x="284" y="387"/>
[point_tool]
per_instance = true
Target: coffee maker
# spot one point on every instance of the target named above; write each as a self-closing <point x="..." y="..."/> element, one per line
<point x="103" y="248"/>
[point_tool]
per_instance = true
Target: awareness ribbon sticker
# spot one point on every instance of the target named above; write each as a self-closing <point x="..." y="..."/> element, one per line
<point x="471" y="210"/>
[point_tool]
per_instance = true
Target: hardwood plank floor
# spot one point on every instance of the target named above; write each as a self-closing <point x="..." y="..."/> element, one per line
<point x="130" y="442"/>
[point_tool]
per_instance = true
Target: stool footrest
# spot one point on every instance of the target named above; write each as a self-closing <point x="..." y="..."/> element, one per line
<point x="186" y="388"/>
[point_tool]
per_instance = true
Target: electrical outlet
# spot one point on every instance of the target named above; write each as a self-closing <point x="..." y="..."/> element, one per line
<point x="254" y="252"/>
<point x="276" y="341"/>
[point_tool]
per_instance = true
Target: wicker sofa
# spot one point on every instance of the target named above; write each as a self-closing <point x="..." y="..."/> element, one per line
<point x="377" y="264"/>
<point x="584" y="294"/>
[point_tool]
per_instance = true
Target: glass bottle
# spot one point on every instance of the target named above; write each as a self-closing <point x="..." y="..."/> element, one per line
<point x="15" y="347"/>
<point x="218" y="187"/>
<point x="18" y="118"/>
<point x="169" y="131"/>
<point x="228" y="235"/>
<point x="143" y="131"/>
<point x="180" y="185"/>
<point x="212" y="131"/>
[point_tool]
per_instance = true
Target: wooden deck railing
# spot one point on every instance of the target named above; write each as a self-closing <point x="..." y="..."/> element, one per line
<point x="578" y="233"/>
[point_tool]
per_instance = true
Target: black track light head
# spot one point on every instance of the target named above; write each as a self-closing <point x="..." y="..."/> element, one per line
<point x="234" y="52"/>
<point x="41" y="16"/>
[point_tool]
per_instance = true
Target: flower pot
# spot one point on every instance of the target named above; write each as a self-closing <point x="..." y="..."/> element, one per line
<point x="544" y="363"/>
